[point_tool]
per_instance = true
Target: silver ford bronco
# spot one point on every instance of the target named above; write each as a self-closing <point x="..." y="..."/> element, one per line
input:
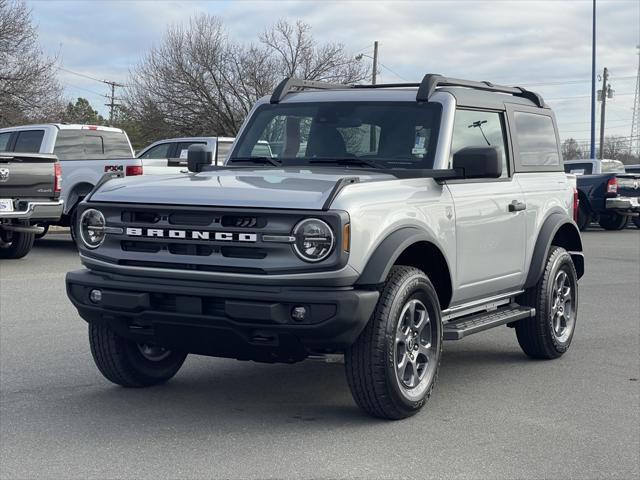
<point x="381" y="221"/>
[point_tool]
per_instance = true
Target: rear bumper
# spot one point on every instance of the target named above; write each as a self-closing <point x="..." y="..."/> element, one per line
<point x="248" y="322"/>
<point x="623" y="205"/>
<point x="36" y="211"/>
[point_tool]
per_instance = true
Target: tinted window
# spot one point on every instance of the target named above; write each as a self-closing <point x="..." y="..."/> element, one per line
<point x="29" y="141"/>
<point x="480" y="129"/>
<point x="393" y="134"/>
<point x="4" y="141"/>
<point x="585" y="168"/>
<point x="159" y="151"/>
<point x="536" y="140"/>
<point x="91" y="145"/>
<point x="183" y="149"/>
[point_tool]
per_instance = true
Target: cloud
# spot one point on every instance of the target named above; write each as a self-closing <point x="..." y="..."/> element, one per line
<point x="528" y="42"/>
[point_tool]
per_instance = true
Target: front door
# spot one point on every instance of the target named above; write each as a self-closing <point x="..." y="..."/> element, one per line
<point x="490" y="234"/>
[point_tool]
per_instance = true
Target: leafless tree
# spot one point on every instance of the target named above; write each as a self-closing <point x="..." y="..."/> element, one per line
<point x="29" y="90"/>
<point x="199" y="81"/>
<point x="571" y="150"/>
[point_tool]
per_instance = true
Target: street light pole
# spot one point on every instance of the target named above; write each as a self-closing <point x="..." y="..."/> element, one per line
<point x="375" y="62"/>
<point x="593" y="84"/>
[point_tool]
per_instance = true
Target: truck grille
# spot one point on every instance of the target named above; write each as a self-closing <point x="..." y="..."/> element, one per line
<point x="208" y="239"/>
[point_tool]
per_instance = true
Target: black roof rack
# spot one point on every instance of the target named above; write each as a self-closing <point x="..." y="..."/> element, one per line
<point x="426" y="88"/>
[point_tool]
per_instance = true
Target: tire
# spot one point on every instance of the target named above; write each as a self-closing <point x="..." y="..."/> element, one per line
<point x="14" y="245"/>
<point x="613" y="222"/>
<point x="41" y="235"/>
<point x="73" y="217"/>
<point x="123" y="362"/>
<point x="584" y="217"/>
<point x="374" y="363"/>
<point x="549" y="333"/>
<point x="636" y="221"/>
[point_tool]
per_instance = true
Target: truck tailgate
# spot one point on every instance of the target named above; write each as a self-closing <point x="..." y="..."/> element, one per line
<point x="27" y="175"/>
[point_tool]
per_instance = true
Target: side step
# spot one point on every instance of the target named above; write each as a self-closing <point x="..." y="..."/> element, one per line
<point x="465" y="326"/>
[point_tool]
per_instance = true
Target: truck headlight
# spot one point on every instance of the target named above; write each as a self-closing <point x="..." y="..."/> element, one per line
<point x="92" y="231"/>
<point x="314" y="240"/>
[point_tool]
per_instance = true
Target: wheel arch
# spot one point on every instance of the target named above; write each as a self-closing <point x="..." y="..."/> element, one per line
<point x="409" y="246"/>
<point x="559" y="231"/>
<point x="78" y="191"/>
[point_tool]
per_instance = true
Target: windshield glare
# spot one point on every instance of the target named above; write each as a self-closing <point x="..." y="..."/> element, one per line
<point x="385" y="134"/>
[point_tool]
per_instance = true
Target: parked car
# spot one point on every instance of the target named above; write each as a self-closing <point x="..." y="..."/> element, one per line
<point x="632" y="168"/>
<point x="29" y="192"/>
<point x="607" y="194"/>
<point x="415" y="215"/>
<point x="85" y="153"/>
<point x="170" y="155"/>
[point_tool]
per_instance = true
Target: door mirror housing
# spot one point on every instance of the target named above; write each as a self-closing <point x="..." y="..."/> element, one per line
<point x="198" y="157"/>
<point x="478" y="162"/>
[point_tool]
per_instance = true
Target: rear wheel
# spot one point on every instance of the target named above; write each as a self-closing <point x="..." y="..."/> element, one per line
<point x="613" y="222"/>
<point x="393" y="366"/>
<point x="549" y="333"/>
<point x="15" y="244"/>
<point x="131" y="364"/>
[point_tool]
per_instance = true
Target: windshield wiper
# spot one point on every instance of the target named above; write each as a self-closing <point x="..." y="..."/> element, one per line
<point x="270" y="160"/>
<point x="346" y="161"/>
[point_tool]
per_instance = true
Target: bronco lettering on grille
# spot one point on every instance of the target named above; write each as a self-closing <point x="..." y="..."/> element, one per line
<point x="191" y="234"/>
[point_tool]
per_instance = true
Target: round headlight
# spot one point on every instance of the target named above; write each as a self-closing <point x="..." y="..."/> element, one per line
<point x="92" y="228"/>
<point x="314" y="240"/>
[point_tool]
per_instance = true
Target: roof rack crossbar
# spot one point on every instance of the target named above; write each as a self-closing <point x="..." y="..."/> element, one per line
<point x="431" y="81"/>
<point x="290" y="83"/>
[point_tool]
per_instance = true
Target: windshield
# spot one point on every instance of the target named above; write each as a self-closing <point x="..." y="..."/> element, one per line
<point x="365" y="134"/>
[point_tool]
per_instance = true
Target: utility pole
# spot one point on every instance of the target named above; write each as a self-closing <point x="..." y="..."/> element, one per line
<point x="593" y="83"/>
<point x="634" y="143"/>
<point x="112" y="104"/>
<point x="606" y="92"/>
<point x="375" y="63"/>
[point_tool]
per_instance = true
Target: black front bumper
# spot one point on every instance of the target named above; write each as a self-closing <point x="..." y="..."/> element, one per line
<point x="251" y="322"/>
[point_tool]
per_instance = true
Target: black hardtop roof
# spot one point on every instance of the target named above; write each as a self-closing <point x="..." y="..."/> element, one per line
<point x="466" y="91"/>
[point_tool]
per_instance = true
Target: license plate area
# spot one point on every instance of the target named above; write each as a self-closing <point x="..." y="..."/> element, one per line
<point x="6" y="205"/>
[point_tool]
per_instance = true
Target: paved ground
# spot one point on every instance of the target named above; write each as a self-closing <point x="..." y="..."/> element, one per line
<point x="494" y="413"/>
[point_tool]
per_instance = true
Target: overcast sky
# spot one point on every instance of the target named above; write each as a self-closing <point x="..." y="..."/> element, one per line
<point x="545" y="45"/>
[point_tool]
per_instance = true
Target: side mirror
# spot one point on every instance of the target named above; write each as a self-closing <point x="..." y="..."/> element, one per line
<point x="198" y="157"/>
<point x="478" y="162"/>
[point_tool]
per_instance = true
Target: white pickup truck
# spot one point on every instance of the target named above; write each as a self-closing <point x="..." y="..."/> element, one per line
<point x="85" y="153"/>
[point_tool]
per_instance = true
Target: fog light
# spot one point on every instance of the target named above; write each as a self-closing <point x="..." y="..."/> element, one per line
<point x="299" y="313"/>
<point x="95" y="296"/>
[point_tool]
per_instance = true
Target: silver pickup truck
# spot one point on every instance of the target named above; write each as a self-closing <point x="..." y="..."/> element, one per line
<point x="29" y="193"/>
<point x="387" y="219"/>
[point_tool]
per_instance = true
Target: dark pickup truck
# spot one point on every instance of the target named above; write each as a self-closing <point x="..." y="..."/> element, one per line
<point x="29" y="194"/>
<point x="606" y="193"/>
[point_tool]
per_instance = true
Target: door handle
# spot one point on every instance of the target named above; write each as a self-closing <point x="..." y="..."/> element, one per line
<point x="517" y="206"/>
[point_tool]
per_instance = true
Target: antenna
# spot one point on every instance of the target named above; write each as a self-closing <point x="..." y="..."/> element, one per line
<point x="634" y="140"/>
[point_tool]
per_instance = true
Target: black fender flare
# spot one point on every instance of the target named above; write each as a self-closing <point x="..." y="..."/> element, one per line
<point x="387" y="252"/>
<point x="78" y="192"/>
<point x="571" y="241"/>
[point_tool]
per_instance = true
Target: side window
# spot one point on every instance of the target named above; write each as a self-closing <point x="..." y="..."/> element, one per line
<point x="4" y="141"/>
<point x="473" y="128"/>
<point x="183" y="149"/>
<point x="536" y="140"/>
<point x="28" y="141"/>
<point x="222" y="150"/>
<point x="159" y="151"/>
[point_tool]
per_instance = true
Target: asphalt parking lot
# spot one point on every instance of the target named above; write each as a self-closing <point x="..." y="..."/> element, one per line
<point x="494" y="413"/>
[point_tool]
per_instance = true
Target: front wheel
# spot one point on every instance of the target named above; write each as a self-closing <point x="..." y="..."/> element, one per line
<point x="613" y="221"/>
<point x="549" y="333"/>
<point x="131" y="364"/>
<point x="393" y="366"/>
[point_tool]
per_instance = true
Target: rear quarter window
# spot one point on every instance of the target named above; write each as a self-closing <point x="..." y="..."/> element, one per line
<point x="536" y="142"/>
<point x="4" y="141"/>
